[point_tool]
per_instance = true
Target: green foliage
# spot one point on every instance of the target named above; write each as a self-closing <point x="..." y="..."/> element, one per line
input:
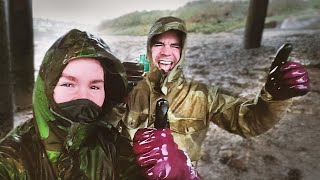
<point x="315" y="4"/>
<point x="227" y="25"/>
<point x="208" y="11"/>
<point x="201" y="16"/>
<point x="204" y="16"/>
<point x="134" y="23"/>
<point x="279" y="7"/>
<point x="138" y="30"/>
<point x="278" y="10"/>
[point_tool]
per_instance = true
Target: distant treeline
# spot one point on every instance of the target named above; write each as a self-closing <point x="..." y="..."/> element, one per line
<point x="205" y="16"/>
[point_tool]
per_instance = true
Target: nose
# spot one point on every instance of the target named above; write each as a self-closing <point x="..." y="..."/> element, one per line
<point x="83" y="93"/>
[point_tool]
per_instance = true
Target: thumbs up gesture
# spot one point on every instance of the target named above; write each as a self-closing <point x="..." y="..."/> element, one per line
<point x="286" y="79"/>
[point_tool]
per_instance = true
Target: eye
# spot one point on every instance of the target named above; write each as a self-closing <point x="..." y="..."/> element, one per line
<point x="67" y="85"/>
<point x="158" y="45"/>
<point x="176" y="46"/>
<point x="95" y="87"/>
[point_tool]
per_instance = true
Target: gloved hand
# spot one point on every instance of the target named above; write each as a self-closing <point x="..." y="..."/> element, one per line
<point x="159" y="156"/>
<point x="286" y="79"/>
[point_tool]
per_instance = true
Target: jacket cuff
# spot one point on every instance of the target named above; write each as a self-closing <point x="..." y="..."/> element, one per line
<point x="266" y="96"/>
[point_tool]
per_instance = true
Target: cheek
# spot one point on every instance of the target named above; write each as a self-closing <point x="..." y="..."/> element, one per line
<point x="154" y="54"/>
<point x="99" y="98"/>
<point x="176" y="56"/>
<point x="155" y="60"/>
<point x="60" y="96"/>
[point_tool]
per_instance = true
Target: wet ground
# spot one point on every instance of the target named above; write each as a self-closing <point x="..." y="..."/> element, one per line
<point x="290" y="150"/>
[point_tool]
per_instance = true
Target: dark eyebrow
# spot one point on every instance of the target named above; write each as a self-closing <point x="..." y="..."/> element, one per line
<point x="178" y="44"/>
<point x="97" y="81"/>
<point x="159" y="42"/>
<point x="71" y="78"/>
<point x="156" y="42"/>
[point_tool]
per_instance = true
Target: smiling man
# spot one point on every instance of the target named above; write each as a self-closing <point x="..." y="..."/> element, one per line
<point x="193" y="105"/>
<point x="165" y="49"/>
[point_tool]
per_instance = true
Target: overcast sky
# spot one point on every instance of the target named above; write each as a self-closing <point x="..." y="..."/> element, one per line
<point x="94" y="11"/>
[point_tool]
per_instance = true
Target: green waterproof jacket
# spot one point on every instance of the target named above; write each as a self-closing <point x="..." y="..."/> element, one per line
<point x="48" y="147"/>
<point x="193" y="105"/>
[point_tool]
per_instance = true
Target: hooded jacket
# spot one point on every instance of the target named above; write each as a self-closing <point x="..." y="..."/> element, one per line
<point x="193" y="105"/>
<point x="49" y="147"/>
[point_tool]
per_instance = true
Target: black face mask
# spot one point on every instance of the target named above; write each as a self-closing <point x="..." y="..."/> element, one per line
<point x="80" y="110"/>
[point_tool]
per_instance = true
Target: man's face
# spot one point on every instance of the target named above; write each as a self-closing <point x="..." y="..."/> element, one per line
<point x="166" y="50"/>
<point x="82" y="78"/>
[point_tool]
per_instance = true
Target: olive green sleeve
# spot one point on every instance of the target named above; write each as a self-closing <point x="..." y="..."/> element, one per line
<point x="138" y="104"/>
<point x="11" y="169"/>
<point x="246" y="118"/>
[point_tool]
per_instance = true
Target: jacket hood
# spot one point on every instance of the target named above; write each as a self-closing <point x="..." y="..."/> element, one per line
<point x="75" y="44"/>
<point x="160" y="26"/>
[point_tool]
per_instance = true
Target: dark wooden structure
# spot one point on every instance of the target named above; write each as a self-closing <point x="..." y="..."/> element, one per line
<point x="21" y="44"/>
<point x="16" y="60"/>
<point x="257" y="13"/>
<point x="6" y="101"/>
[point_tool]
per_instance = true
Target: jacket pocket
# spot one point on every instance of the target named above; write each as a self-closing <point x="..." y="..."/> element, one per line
<point x="136" y="120"/>
<point x="187" y="125"/>
<point x="189" y="135"/>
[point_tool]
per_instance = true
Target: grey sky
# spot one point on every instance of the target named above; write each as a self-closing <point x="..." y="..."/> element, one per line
<point x="93" y="11"/>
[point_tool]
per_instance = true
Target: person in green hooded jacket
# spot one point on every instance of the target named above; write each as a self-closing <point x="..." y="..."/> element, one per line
<point x="193" y="105"/>
<point x="70" y="135"/>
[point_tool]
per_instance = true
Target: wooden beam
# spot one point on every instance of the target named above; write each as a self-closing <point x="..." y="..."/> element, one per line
<point x="257" y="13"/>
<point x="6" y="103"/>
<point x="21" y="38"/>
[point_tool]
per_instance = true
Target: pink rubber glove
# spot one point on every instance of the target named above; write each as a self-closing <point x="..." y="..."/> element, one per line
<point x="286" y="79"/>
<point x="159" y="156"/>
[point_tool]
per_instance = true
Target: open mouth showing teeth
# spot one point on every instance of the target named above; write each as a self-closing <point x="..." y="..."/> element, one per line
<point x="165" y="62"/>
